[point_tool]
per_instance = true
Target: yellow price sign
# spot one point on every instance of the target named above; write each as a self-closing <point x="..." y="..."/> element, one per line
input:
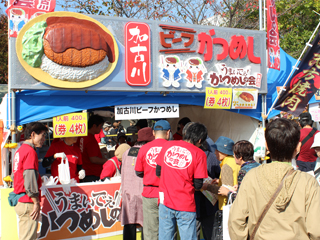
<point x="218" y="98"/>
<point x="70" y="125"/>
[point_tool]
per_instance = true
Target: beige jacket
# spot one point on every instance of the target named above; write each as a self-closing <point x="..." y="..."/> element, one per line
<point x="295" y="214"/>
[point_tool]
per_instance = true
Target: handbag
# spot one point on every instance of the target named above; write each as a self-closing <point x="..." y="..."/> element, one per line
<point x="225" y="218"/>
<point x="13" y="198"/>
<point x="64" y="171"/>
<point x="220" y="224"/>
<point x="217" y="226"/>
<point x="274" y="196"/>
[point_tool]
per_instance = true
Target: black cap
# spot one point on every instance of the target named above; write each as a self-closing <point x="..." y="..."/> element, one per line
<point x="142" y="123"/>
<point x="184" y="121"/>
<point x="305" y="116"/>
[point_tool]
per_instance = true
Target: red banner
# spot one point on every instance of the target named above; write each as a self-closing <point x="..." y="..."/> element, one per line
<point x="20" y="12"/>
<point x="86" y="210"/>
<point x="138" y="54"/>
<point x="273" y="36"/>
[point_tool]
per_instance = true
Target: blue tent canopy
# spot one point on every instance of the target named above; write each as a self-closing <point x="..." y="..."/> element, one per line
<point x="37" y="105"/>
<point x="43" y="104"/>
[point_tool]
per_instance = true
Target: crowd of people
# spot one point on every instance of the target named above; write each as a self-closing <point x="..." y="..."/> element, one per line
<point x="163" y="174"/>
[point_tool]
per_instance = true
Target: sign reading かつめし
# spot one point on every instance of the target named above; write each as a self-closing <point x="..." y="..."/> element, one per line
<point x="218" y="98"/>
<point x="146" y="111"/>
<point x="70" y="125"/>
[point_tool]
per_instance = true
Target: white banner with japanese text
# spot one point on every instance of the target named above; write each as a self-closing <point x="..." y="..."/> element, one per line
<point x="146" y="111"/>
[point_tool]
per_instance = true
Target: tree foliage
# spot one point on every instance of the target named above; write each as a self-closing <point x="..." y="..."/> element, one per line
<point x="297" y="21"/>
<point x="3" y="49"/>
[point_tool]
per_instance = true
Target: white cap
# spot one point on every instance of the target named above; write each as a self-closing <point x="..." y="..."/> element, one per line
<point x="316" y="141"/>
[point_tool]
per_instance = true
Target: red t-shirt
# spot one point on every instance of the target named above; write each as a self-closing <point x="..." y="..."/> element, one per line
<point x="177" y="136"/>
<point x="90" y="148"/>
<point x="99" y="136"/>
<point x="109" y="170"/>
<point x="146" y="162"/>
<point x="180" y="163"/>
<point x="24" y="159"/>
<point x="306" y="153"/>
<point x="73" y="154"/>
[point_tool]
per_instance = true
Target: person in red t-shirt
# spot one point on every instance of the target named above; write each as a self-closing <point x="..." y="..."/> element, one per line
<point x="27" y="180"/>
<point x="182" y="166"/>
<point x="92" y="159"/>
<point x="111" y="168"/>
<point x="145" y="168"/>
<point x="306" y="160"/>
<point x="182" y="122"/>
<point x="65" y="149"/>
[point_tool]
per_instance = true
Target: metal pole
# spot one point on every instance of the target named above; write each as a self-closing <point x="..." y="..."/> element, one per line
<point x="260" y="15"/>
<point x="264" y="15"/>
<point x="294" y="68"/>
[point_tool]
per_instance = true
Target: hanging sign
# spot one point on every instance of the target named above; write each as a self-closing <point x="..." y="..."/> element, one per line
<point x="273" y="36"/>
<point x="70" y="125"/>
<point x="146" y="111"/>
<point x="218" y="98"/>
<point x="244" y="98"/>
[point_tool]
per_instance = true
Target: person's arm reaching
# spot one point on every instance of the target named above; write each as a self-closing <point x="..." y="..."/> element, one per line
<point x="31" y="186"/>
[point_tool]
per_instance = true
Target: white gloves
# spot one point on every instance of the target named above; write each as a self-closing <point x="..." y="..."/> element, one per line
<point x="82" y="174"/>
<point x="61" y="155"/>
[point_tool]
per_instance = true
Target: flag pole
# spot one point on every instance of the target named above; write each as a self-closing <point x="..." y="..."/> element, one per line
<point x="294" y="68"/>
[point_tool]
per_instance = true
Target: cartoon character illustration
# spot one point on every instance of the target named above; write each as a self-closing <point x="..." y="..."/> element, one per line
<point x="17" y="20"/>
<point x="194" y="70"/>
<point x="171" y="70"/>
<point x="274" y="58"/>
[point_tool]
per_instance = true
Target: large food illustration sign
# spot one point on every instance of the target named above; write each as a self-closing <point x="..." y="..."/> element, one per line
<point x="67" y="50"/>
<point x="75" y="51"/>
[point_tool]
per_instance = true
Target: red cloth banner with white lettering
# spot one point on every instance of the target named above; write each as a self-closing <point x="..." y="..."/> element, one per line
<point x="21" y="11"/>
<point x="273" y="36"/>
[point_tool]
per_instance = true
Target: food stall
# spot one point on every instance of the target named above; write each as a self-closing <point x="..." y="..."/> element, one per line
<point x="89" y="62"/>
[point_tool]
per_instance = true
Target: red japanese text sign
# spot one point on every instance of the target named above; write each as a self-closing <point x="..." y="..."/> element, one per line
<point x="138" y="54"/>
<point x="273" y="36"/>
<point x="239" y="47"/>
<point x="70" y="125"/>
<point x="218" y="98"/>
<point x="20" y="12"/>
<point x="86" y="211"/>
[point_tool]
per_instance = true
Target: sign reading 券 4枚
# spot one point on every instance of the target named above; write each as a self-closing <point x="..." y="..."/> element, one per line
<point x="218" y="98"/>
<point x="70" y="125"/>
